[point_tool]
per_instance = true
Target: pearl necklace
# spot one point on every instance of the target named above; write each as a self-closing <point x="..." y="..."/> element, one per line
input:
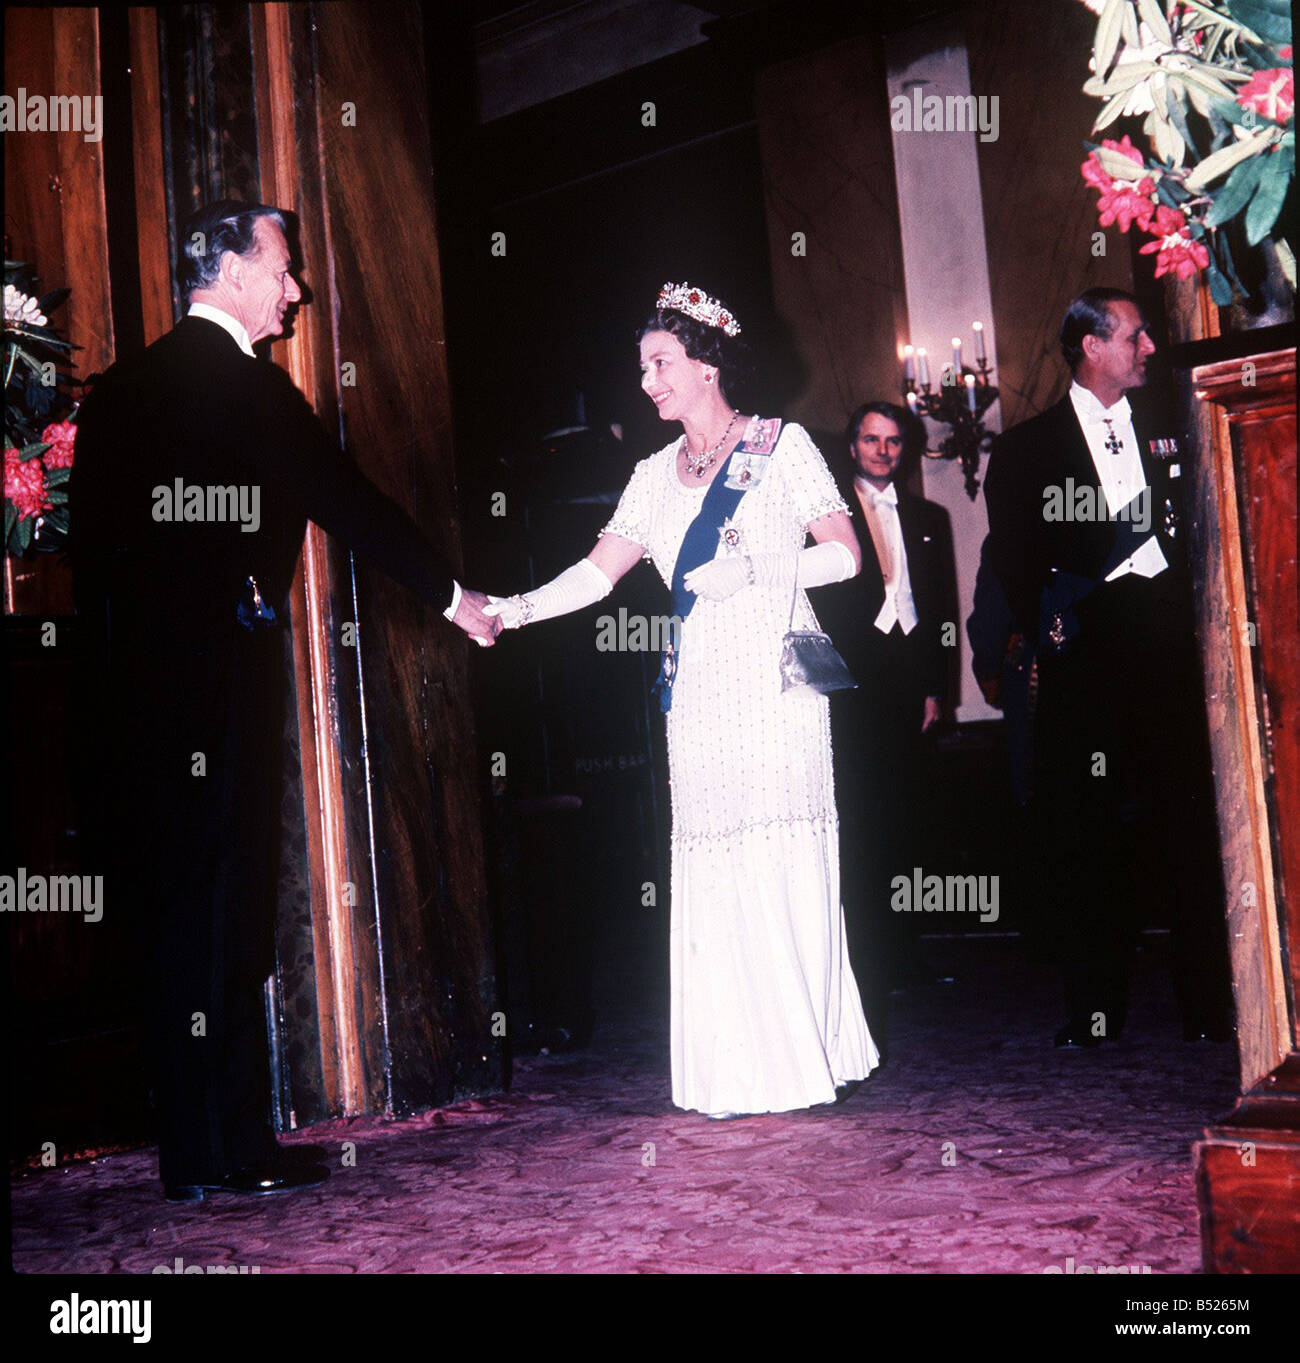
<point x="697" y="463"/>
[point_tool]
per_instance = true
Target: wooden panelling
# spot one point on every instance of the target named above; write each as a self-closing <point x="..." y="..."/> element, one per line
<point x="1232" y="713"/>
<point x="421" y="769"/>
<point x="1244" y="538"/>
<point x="352" y="1056"/>
<point x="1259" y="396"/>
<point x="1248" y="1188"/>
<point x="402" y="974"/>
<point x="150" y="176"/>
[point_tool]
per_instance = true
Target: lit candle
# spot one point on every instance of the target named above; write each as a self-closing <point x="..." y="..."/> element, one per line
<point x="956" y="354"/>
<point x="923" y="368"/>
<point x="909" y="365"/>
<point x="970" y="391"/>
<point x="911" y="404"/>
<point x="978" y="329"/>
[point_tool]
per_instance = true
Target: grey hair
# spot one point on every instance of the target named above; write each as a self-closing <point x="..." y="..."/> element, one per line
<point x="208" y="234"/>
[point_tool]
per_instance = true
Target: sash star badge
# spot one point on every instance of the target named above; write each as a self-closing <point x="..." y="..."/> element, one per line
<point x="729" y="535"/>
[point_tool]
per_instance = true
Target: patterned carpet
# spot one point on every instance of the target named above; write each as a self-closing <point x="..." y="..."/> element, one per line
<point x="977" y="1148"/>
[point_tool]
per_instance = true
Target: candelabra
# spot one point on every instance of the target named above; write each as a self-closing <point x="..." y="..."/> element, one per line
<point x="963" y="396"/>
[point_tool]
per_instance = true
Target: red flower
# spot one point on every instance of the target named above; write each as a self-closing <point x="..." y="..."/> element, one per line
<point x="1177" y="253"/>
<point x="1123" y="201"/>
<point x="25" y="485"/>
<point x="61" y="436"/>
<point x="1270" y="94"/>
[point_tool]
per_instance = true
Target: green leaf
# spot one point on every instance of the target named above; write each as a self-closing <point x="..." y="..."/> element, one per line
<point x="1109" y="29"/>
<point x="1110" y="111"/>
<point x="1122" y="79"/>
<point x="1271" y="19"/>
<point x="1202" y="90"/>
<point x="1154" y="18"/>
<point x="43" y="336"/>
<point x="57" y="477"/>
<point x="31" y="451"/>
<point x="1223" y="160"/>
<point x="1236" y="192"/>
<point x="1214" y="79"/>
<point x="1267" y="203"/>
<point x="1286" y="256"/>
<point x="23" y="534"/>
<point x="1232" y="112"/>
<point x="1169" y="146"/>
<point x="1225" y="261"/>
<point x="1174" y="105"/>
<point x="55" y="298"/>
<point x="1120" y="167"/>
<point x="1220" y="289"/>
<point x="11" y="519"/>
<point x="1221" y="131"/>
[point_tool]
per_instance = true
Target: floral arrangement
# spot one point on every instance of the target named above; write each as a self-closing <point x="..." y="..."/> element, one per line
<point x="1216" y="86"/>
<point x="38" y="450"/>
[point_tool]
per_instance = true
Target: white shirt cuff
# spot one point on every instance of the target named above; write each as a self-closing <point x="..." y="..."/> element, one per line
<point x="451" y="610"/>
<point x="1147" y="560"/>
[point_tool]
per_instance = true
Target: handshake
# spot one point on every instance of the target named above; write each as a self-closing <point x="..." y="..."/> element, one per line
<point x="484" y="617"/>
<point x="475" y="616"/>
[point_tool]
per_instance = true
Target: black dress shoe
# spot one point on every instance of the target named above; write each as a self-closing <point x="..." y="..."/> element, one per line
<point x="1072" y="1037"/>
<point x="182" y="1192"/>
<point x="846" y="1091"/>
<point x="276" y="1178"/>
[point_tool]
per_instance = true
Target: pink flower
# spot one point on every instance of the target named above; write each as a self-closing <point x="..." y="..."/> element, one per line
<point x="61" y="437"/>
<point x="1123" y="201"/>
<point x="25" y="485"/>
<point x="1271" y="94"/>
<point x="1177" y="253"/>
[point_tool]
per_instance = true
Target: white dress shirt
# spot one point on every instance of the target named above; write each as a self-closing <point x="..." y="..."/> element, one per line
<point x="881" y="511"/>
<point x="239" y="331"/>
<point x="1120" y="472"/>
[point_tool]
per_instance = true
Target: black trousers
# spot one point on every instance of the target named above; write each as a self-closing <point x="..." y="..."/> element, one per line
<point x="1123" y="810"/>
<point x="883" y="774"/>
<point x="196" y="728"/>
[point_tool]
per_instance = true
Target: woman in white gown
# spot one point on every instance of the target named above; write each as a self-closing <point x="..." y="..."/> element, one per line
<point x="766" y="1015"/>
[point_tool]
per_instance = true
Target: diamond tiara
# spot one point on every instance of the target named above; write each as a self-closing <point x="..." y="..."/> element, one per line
<point x="697" y="304"/>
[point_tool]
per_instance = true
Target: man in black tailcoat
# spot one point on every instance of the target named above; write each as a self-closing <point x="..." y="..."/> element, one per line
<point x="198" y="466"/>
<point x="1086" y="540"/>
<point x="887" y="623"/>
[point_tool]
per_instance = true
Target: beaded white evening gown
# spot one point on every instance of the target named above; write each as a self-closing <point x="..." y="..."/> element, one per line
<point x="766" y="1015"/>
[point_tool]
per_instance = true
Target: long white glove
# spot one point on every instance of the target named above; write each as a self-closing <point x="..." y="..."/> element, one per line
<point x="819" y="564"/>
<point x="581" y="585"/>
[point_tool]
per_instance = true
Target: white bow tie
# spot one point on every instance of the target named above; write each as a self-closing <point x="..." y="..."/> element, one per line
<point x="890" y="494"/>
<point x="1096" y="413"/>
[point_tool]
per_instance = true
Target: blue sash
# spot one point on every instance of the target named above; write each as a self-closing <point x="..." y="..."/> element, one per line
<point x="743" y="472"/>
